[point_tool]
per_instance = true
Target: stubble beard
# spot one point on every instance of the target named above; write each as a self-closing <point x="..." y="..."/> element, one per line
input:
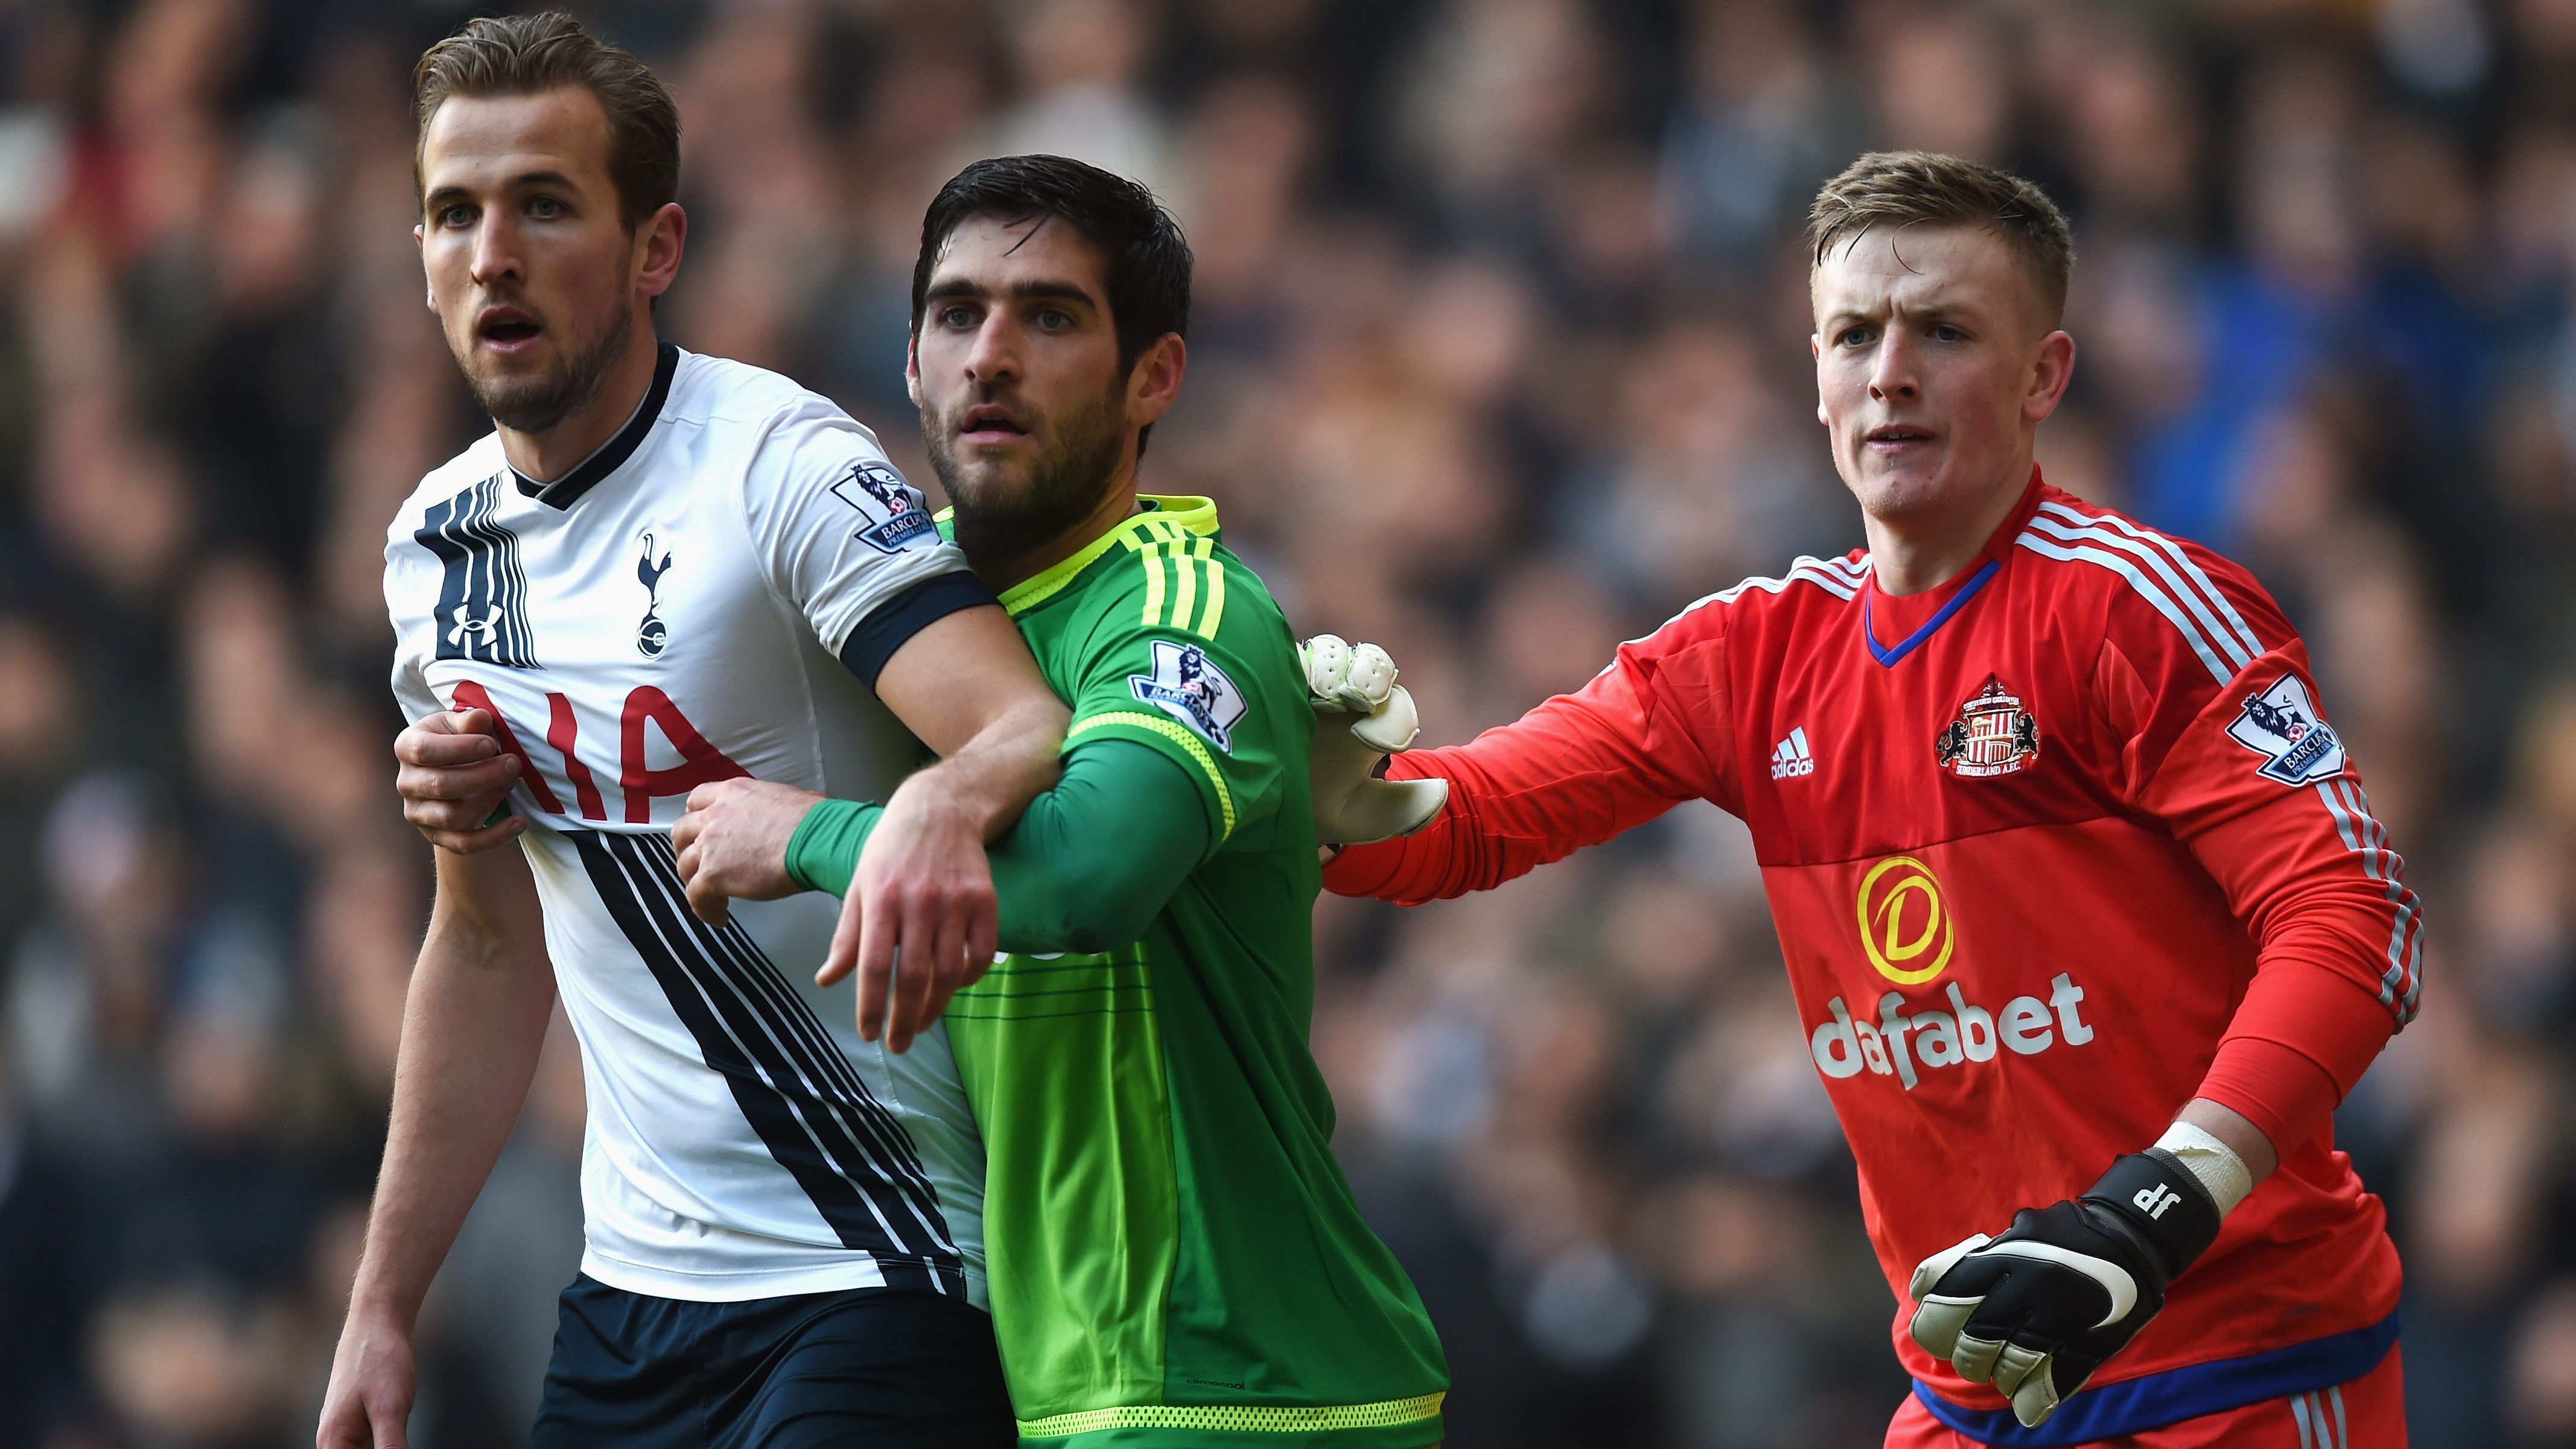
<point x="998" y="524"/>
<point x="539" y="404"/>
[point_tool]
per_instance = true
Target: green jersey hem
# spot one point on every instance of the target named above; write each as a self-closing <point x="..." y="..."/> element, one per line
<point x="1392" y="1424"/>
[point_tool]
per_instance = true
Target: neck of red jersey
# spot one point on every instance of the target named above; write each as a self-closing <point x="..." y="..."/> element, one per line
<point x="1928" y="553"/>
<point x="1896" y="618"/>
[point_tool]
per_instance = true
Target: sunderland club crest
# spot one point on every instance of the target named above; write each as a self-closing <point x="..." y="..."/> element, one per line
<point x="1993" y="735"/>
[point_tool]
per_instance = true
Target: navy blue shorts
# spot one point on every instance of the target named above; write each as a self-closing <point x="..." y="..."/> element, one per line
<point x="856" y="1370"/>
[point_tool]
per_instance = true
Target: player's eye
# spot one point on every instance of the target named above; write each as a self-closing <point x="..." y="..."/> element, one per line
<point x="956" y="316"/>
<point x="545" y="208"/>
<point x="1053" y="320"/>
<point x="1944" y="332"/>
<point x="456" y="216"/>
<point x="1853" y="337"/>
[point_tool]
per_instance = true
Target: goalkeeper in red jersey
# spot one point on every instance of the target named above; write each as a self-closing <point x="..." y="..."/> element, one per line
<point x="2088" y="919"/>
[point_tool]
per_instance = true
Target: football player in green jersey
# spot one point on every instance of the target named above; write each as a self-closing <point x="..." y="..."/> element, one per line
<point x="1175" y="1257"/>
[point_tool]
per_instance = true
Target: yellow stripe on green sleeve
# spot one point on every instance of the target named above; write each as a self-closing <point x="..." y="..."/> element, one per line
<point x="1214" y="609"/>
<point x="1153" y="556"/>
<point x="1185" y="598"/>
<point x="1179" y="734"/>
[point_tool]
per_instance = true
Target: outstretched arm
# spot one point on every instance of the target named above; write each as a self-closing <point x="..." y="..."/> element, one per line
<point x="1573" y="772"/>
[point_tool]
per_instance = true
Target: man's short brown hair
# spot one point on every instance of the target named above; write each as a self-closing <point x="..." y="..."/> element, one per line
<point x="519" y="55"/>
<point x="1899" y="189"/>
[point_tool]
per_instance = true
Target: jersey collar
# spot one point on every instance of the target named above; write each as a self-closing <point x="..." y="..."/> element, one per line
<point x="1947" y="600"/>
<point x="1155" y="516"/>
<point x="565" y="491"/>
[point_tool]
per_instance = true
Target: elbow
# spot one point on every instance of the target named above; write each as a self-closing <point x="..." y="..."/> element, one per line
<point x="1100" y="926"/>
<point x="1101" y="916"/>
<point x="1084" y="938"/>
<point x="1073" y="932"/>
<point x="1052" y="910"/>
<point x="1040" y="722"/>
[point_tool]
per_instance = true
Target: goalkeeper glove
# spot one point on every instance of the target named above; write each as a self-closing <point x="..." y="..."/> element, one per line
<point x="1361" y="716"/>
<point x="2037" y="1310"/>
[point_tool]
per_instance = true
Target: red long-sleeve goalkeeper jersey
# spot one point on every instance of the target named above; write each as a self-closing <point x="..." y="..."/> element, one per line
<point x="2044" y="847"/>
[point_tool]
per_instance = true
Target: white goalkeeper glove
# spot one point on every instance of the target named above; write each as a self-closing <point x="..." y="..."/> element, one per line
<point x="1362" y="716"/>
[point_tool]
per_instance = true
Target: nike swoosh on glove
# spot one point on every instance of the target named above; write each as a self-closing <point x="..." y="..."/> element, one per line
<point x="1362" y="716"/>
<point x="2035" y="1311"/>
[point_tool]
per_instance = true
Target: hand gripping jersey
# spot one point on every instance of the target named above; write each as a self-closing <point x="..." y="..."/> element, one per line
<point x="2034" y="843"/>
<point x="686" y="606"/>
<point x="1176" y="1257"/>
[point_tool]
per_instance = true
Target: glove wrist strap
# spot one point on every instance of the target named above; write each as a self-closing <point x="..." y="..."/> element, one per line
<point x="2160" y="1199"/>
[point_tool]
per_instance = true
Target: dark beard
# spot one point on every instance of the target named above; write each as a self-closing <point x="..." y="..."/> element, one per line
<point x="999" y="526"/>
<point x="538" y="404"/>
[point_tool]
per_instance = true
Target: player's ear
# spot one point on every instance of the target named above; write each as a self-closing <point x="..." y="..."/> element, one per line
<point x="1154" y="384"/>
<point x="1816" y="350"/>
<point x="912" y="366"/>
<point x="2049" y="374"/>
<point x="658" y="244"/>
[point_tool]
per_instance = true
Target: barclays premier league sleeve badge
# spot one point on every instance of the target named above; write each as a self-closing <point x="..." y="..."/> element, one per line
<point x="1188" y="686"/>
<point x="2280" y="724"/>
<point x="893" y="509"/>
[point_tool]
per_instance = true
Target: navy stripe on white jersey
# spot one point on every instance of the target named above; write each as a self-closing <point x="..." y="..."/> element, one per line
<point x="482" y="592"/>
<point x="823" y="1126"/>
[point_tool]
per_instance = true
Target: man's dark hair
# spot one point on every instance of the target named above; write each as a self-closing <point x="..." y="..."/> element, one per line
<point x="1897" y="189"/>
<point x="1148" y="259"/>
<point x="520" y="55"/>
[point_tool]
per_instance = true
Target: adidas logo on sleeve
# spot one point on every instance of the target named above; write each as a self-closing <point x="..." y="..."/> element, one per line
<point x="1790" y="758"/>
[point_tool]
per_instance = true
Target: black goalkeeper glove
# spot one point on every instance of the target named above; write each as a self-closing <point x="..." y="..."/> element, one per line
<point x="2037" y="1310"/>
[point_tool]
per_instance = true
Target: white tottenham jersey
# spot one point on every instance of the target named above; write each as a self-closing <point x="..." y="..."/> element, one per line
<point x="710" y="595"/>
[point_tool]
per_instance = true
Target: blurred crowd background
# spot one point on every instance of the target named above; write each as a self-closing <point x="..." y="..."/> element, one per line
<point x="1499" y="357"/>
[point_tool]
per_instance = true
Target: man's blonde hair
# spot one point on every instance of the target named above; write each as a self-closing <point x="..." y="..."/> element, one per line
<point x="1897" y="189"/>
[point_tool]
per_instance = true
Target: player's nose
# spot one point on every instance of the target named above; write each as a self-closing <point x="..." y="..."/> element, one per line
<point x="995" y="353"/>
<point x="1891" y="372"/>
<point x="496" y="249"/>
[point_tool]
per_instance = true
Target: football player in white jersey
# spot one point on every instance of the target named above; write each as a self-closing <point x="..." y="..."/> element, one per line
<point x="661" y="570"/>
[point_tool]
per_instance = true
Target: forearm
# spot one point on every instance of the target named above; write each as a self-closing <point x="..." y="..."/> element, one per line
<point x="473" y="1022"/>
<point x="2317" y="886"/>
<point x="1003" y="766"/>
<point x="1085" y="868"/>
<point x="2301" y="1038"/>
<point x="966" y="686"/>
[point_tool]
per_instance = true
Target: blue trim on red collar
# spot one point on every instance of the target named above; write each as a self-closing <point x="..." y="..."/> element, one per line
<point x="1958" y="601"/>
<point x="2136" y="1405"/>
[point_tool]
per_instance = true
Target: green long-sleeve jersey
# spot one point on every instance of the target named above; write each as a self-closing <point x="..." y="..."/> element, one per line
<point x="1174" y="1255"/>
